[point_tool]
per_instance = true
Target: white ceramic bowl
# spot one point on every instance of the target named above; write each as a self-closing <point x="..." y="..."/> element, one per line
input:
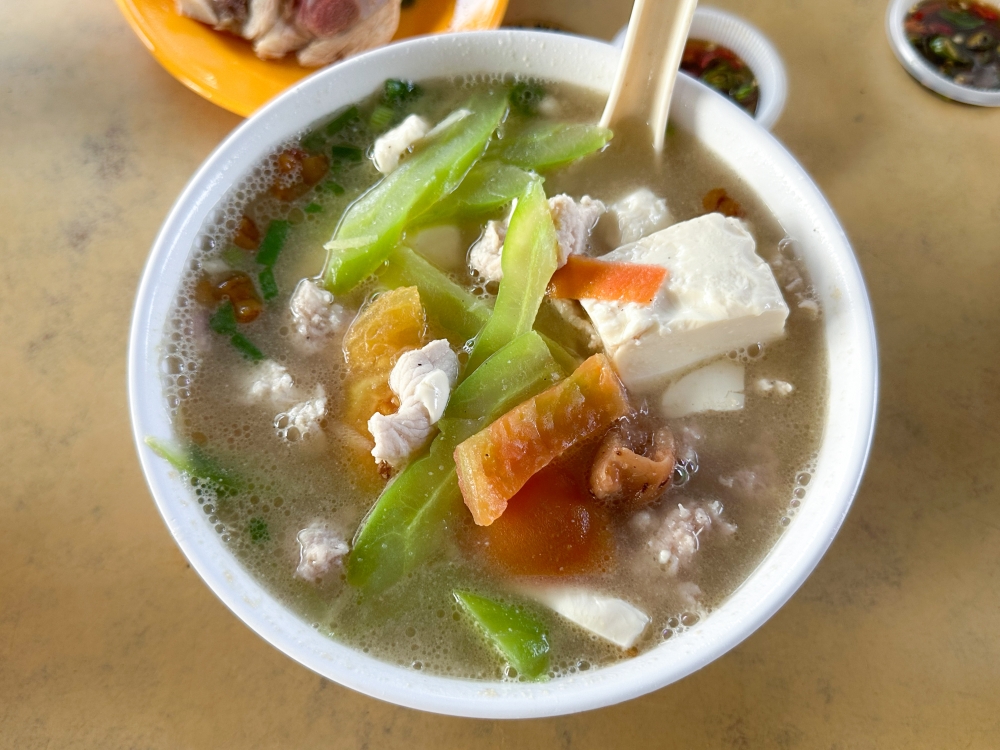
<point x="755" y="49"/>
<point x="765" y="166"/>
<point x="923" y="71"/>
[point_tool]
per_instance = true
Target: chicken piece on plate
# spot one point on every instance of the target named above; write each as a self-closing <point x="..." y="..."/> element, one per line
<point x="199" y="10"/>
<point x="279" y="40"/>
<point x="321" y="31"/>
<point x="261" y="16"/>
<point x="373" y="26"/>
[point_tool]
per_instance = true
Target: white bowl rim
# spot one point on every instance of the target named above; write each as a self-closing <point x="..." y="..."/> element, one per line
<point x="847" y="314"/>
<point x="923" y="71"/>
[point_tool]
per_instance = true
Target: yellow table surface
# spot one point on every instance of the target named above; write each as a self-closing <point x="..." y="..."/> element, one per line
<point x="109" y="640"/>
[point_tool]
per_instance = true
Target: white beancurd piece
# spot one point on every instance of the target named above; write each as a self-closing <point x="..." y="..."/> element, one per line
<point x="315" y="314"/>
<point x="319" y="550"/>
<point x="715" y="387"/>
<point x="485" y="254"/>
<point x="422" y="379"/>
<point x="302" y="421"/>
<point x="719" y="295"/>
<point x="271" y="384"/>
<point x="775" y="387"/>
<point x="610" y="618"/>
<point x="441" y="245"/>
<point x="635" y="216"/>
<point x="574" y="220"/>
<point x="390" y="146"/>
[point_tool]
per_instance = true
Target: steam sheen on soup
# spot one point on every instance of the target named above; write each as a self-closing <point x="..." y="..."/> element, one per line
<point x="482" y="389"/>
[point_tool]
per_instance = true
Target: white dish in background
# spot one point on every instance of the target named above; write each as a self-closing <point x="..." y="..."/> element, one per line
<point x="756" y="50"/>
<point x="923" y="71"/>
<point x="765" y="167"/>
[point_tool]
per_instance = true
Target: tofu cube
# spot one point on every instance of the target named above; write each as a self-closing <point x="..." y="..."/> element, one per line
<point x="719" y="295"/>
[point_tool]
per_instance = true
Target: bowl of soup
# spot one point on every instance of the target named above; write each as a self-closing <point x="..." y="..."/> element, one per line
<point x="467" y="403"/>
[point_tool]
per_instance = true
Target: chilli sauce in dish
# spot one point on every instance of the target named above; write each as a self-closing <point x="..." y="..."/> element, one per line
<point x="723" y="70"/>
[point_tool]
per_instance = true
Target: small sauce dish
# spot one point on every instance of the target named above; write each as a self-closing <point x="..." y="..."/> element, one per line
<point x="950" y="52"/>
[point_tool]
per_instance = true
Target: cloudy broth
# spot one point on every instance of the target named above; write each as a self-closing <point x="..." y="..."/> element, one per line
<point x="755" y="461"/>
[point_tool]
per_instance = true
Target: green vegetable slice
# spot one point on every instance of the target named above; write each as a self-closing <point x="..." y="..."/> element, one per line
<point x="490" y="185"/>
<point x="548" y="145"/>
<point x="397" y="92"/>
<point x="342" y="120"/>
<point x="344" y="152"/>
<point x="268" y="286"/>
<point x="520" y="637"/>
<point x="566" y="359"/>
<point x="525" y="96"/>
<point x="331" y="187"/>
<point x="449" y="304"/>
<point x="381" y="118"/>
<point x="273" y="242"/>
<point x="549" y="322"/>
<point x="258" y="531"/>
<point x="246" y="347"/>
<point x="520" y="370"/>
<point x="529" y="260"/>
<point x="223" y="322"/>
<point x="402" y="526"/>
<point x="196" y="464"/>
<point x="418" y="183"/>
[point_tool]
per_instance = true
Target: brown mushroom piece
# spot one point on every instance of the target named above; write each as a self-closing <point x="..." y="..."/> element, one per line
<point x="629" y="479"/>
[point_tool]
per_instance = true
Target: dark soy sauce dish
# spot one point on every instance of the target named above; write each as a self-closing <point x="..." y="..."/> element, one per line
<point x="960" y="39"/>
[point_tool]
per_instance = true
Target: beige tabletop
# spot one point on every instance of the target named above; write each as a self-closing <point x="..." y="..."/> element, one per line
<point x="109" y="640"/>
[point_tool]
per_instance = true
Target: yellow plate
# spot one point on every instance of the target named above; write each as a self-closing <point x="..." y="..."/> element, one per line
<point x="224" y="69"/>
